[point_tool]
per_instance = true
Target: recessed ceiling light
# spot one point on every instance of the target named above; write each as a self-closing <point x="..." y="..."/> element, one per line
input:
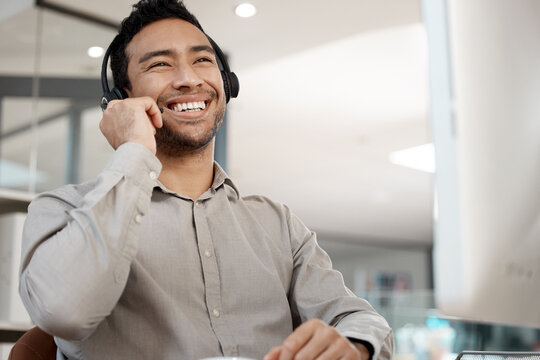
<point x="245" y="10"/>
<point x="95" y="51"/>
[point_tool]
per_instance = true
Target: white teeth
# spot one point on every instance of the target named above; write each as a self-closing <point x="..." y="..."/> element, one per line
<point x="190" y="106"/>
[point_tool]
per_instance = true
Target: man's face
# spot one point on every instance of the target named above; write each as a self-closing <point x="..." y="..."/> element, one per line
<point x="173" y="62"/>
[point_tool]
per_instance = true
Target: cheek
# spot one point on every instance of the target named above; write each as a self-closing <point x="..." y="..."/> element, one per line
<point x="219" y="85"/>
<point x="148" y="86"/>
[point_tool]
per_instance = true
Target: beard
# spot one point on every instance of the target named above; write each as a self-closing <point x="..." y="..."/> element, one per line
<point x="172" y="143"/>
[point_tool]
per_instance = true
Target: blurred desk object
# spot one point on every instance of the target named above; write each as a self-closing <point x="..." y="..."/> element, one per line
<point x="14" y="201"/>
<point x="11" y="332"/>
<point x="498" y="355"/>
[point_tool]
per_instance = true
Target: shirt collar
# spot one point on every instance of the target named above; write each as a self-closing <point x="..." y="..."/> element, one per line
<point x="220" y="178"/>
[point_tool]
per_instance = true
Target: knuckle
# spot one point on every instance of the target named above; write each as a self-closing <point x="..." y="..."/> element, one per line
<point x="329" y="331"/>
<point x="111" y="104"/>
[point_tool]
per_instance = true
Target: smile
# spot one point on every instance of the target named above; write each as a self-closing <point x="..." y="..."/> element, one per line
<point x="188" y="107"/>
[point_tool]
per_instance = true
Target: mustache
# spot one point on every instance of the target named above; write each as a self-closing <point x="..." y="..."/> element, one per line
<point x="163" y="99"/>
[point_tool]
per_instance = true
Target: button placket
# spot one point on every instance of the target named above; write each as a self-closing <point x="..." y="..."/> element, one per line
<point x="210" y="273"/>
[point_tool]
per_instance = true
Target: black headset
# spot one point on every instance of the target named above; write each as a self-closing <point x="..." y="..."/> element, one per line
<point x="230" y="80"/>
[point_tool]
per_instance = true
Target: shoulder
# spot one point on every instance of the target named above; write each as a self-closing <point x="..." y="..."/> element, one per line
<point x="273" y="211"/>
<point x="263" y="205"/>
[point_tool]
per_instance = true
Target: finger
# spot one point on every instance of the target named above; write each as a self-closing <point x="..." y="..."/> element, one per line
<point x="323" y="338"/>
<point x="273" y="354"/>
<point x="153" y="112"/>
<point x="333" y="352"/>
<point x="111" y="104"/>
<point x="294" y="342"/>
<point x="340" y="349"/>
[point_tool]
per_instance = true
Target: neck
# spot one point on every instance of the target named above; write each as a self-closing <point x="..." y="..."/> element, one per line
<point x="190" y="174"/>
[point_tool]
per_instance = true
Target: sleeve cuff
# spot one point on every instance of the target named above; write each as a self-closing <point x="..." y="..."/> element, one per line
<point x="133" y="160"/>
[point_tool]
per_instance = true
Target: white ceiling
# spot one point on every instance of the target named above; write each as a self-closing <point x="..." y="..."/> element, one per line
<point x="328" y="90"/>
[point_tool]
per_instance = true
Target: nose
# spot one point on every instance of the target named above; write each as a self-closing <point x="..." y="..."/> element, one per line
<point x="186" y="77"/>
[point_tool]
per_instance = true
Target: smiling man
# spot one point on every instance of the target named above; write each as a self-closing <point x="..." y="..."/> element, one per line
<point x="160" y="257"/>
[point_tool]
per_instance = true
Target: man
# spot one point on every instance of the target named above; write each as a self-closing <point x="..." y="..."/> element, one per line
<point x="160" y="257"/>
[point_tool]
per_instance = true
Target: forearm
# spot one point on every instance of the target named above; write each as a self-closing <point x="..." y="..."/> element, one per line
<point x="77" y="255"/>
<point x="353" y="318"/>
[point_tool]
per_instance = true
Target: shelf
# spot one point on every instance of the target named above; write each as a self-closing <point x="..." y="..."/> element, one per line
<point x="14" y="201"/>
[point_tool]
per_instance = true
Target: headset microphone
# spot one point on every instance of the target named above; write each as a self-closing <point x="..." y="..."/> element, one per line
<point x="231" y="85"/>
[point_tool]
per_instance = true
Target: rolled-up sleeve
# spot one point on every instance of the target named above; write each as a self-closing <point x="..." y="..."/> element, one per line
<point x="79" y="241"/>
<point x="318" y="291"/>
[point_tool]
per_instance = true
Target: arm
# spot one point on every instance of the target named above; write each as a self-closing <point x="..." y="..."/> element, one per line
<point x="78" y="243"/>
<point x="318" y="292"/>
<point x="77" y="248"/>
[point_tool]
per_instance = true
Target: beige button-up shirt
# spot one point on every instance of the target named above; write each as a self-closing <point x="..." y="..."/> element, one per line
<point x="122" y="268"/>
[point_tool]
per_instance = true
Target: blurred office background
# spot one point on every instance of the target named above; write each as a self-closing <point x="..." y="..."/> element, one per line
<point x="332" y="93"/>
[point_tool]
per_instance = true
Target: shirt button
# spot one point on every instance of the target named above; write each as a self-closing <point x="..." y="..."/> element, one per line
<point x="153" y="175"/>
<point x="207" y="253"/>
<point x="138" y="218"/>
<point x="215" y="312"/>
<point x="197" y="203"/>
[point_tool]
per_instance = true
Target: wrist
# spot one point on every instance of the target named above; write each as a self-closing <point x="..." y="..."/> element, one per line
<point x="365" y="348"/>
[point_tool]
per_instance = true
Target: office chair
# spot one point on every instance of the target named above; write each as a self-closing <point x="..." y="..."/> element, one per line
<point x="498" y="355"/>
<point x="35" y="344"/>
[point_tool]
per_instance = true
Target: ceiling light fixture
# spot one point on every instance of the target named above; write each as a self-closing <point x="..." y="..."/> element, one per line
<point x="95" y="51"/>
<point x="245" y="10"/>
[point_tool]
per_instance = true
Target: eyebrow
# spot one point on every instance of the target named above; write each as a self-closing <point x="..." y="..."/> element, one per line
<point x="169" y="52"/>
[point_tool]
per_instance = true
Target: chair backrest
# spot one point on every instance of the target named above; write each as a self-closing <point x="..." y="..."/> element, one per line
<point x="35" y="344"/>
<point x="498" y="355"/>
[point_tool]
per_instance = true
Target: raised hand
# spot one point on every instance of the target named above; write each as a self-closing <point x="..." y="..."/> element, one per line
<point x="131" y="120"/>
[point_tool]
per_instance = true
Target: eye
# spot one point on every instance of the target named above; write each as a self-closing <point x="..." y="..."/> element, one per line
<point x="158" y="64"/>
<point x="204" y="59"/>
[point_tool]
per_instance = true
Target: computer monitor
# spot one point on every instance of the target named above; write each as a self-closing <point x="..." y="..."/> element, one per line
<point x="485" y="121"/>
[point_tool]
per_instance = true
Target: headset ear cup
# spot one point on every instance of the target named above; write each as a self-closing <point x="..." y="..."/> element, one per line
<point x="120" y="94"/>
<point x="226" y="86"/>
<point x="234" y="84"/>
<point x="230" y="84"/>
<point x="114" y="94"/>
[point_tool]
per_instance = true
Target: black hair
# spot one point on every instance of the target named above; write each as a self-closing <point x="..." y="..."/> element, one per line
<point x="144" y="12"/>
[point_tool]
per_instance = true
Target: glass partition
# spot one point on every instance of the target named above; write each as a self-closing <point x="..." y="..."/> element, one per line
<point x="49" y="100"/>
